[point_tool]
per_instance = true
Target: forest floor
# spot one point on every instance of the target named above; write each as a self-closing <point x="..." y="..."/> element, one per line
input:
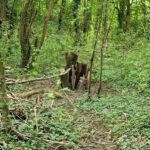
<point x="49" y="117"/>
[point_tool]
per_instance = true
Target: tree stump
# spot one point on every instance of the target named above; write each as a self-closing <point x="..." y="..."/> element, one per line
<point x="76" y="77"/>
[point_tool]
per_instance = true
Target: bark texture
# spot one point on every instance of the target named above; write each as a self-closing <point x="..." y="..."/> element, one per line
<point x="27" y="19"/>
<point x="3" y="98"/>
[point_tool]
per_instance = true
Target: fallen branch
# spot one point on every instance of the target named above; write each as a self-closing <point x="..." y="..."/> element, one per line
<point x="20" y="135"/>
<point x="55" y="142"/>
<point x="37" y="79"/>
<point x="40" y="91"/>
<point x="33" y="92"/>
<point x="92" y="146"/>
<point x="17" y="98"/>
<point x="3" y="143"/>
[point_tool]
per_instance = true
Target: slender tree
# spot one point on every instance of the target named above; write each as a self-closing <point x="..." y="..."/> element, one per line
<point x="3" y="98"/>
<point x="106" y="29"/>
<point x="144" y="12"/>
<point x="3" y="14"/>
<point x="123" y="8"/>
<point x="45" y="24"/>
<point x="97" y="30"/>
<point x="40" y="41"/>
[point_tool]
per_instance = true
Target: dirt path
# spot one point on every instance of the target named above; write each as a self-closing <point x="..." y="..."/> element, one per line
<point x="94" y="135"/>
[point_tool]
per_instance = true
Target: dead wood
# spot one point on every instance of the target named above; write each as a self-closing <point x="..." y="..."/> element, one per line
<point x="37" y="79"/>
<point x="78" y="70"/>
<point x="39" y="91"/>
<point x="84" y="146"/>
<point x="19" y="114"/>
<point x="3" y="143"/>
<point x="73" y="77"/>
<point x="65" y="80"/>
<point x="82" y="84"/>
<point x="33" y="92"/>
<point x="55" y="142"/>
<point x="20" y="135"/>
<point x="17" y="98"/>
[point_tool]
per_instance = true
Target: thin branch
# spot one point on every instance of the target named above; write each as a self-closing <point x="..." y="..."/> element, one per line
<point x="20" y="135"/>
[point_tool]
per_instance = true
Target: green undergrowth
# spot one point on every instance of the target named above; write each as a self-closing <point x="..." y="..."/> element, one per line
<point x="127" y="116"/>
<point x="55" y="129"/>
<point x="127" y="63"/>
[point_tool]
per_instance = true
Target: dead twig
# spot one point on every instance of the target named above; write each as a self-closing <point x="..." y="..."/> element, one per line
<point x="17" y="98"/>
<point x="92" y="146"/>
<point x="3" y="143"/>
<point x="20" y="135"/>
<point x="55" y="142"/>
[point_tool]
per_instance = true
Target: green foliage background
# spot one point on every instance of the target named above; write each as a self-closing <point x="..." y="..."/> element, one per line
<point x="126" y="68"/>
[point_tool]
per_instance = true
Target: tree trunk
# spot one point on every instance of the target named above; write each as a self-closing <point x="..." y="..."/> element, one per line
<point x="43" y="33"/>
<point x="40" y="41"/>
<point x="97" y="30"/>
<point x="87" y="16"/>
<point x="26" y="22"/>
<point x="3" y="14"/>
<point x="121" y="14"/>
<point x="128" y="13"/>
<point x="3" y="9"/>
<point x="106" y="29"/>
<point x="60" y="16"/>
<point x="144" y="11"/>
<point x="123" y="8"/>
<point x="3" y="98"/>
<point x="75" y="8"/>
<point x="86" y="19"/>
